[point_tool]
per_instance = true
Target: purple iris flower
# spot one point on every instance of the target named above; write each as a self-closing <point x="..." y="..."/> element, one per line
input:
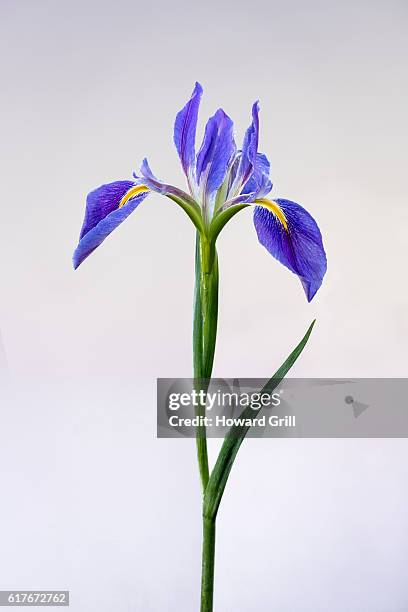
<point x="221" y="180"/>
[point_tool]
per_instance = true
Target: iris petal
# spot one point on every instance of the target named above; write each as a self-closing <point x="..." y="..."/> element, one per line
<point x="246" y="159"/>
<point x="106" y="208"/>
<point x="155" y="184"/>
<point x="258" y="186"/>
<point x="292" y="236"/>
<point x="259" y="181"/>
<point x="250" y="145"/>
<point x="213" y="159"/>
<point x="185" y="127"/>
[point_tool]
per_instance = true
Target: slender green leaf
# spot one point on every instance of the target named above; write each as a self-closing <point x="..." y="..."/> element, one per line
<point x="233" y="440"/>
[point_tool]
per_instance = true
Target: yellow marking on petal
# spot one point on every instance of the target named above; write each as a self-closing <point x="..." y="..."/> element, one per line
<point x="133" y="191"/>
<point x="275" y="209"/>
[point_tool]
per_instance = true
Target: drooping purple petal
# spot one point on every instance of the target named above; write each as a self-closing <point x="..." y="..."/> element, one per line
<point x="155" y="184"/>
<point x="185" y="130"/>
<point x="292" y="236"/>
<point x="103" y="215"/>
<point x="216" y="153"/>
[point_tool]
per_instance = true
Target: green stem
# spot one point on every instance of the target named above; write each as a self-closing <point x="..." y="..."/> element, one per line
<point x="207" y="576"/>
<point x="204" y="339"/>
<point x="204" y="335"/>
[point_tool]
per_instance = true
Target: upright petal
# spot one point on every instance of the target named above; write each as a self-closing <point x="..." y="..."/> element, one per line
<point x="106" y="208"/>
<point x="292" y="236"/>
<point x="250" y="146"/>
<point x="259" y="181"/>
<point x="258" y="185"/>
<point x="246" y="159"/>
<point x="216" y="153"/>
<point x="185" y="128"/>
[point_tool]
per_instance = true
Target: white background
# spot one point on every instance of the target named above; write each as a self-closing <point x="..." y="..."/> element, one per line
<point x="91" y="500"/>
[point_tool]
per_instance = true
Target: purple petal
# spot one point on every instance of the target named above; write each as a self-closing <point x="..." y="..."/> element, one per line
<point x="258" y="186"/>
<point x="244" y="198"/>
<point x="292" y="236"/>
<point x="259" y="181"/>
<point x="246" y="160"/>
<point x="102" y="216"/>
<point x="250" y="146"/>
<point x="215" y="155"/>
<point x="155" y="184"/>
<point x="185" y="130"/>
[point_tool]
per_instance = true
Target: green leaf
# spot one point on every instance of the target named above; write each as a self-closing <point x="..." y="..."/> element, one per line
<point x="222" y="218"/>
<point x="233" y="440"/>
<point x="192" y="209"/>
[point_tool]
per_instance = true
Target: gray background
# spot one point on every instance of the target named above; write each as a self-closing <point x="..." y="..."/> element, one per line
<point x="92" y="501"/>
